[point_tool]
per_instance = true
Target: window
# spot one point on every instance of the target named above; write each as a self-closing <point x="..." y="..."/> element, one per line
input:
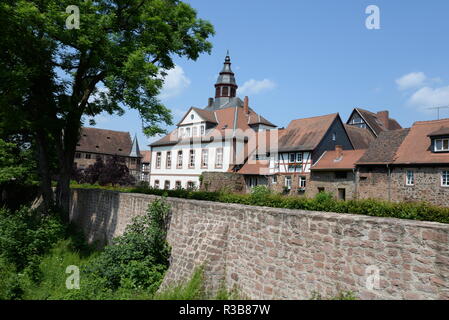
<point x="302" y="182"/>
<point x="158" y="160"/>
<point x="156" y="184"/>
<point x="78" y="155"/>
<point x="188" y="132"/>
<point x="192" y="159"/>
<point x="441" y="145"/>
<point x="410" y="178"/>
<point x="233" y="92"/>
<point x="219" y="158"/>
<point x="192" y="116"/>
<point x="299" y="157"/>
<point x="202" y="130"/>
<point x="288" y="182"/>
<point x="168" y="160"/>
<point x="204" y="158"/>
<point x="320" y="190"/>
<point x="190" y="185"/>
<point x="181" y="132"/>
<point x="217" y="91"/>
<point x="167" y="184"/>
<point x="292" y="157"/>
<point x="274" y="179"/>
<point x="88" y="155"/>
<point x="334" y="136"/>
<point x="225" y="91"/>
<point x="133" y="161"/>
<point x="341" y="175"/>
<point x="179" y="163"/>
<point x="195" y="131"/>
<point x="445" y="179"/>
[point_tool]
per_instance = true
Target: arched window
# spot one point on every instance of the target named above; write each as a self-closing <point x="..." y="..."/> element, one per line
<point x="217" y="92"/>
<point x="233" y="92"/>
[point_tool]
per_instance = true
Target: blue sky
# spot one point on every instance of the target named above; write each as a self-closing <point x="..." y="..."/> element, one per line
<point x="297" y="58"/>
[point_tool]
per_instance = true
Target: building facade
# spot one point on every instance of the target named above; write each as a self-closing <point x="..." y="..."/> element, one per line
<point x="214" y="138"/>
<point x="100" y="143"/>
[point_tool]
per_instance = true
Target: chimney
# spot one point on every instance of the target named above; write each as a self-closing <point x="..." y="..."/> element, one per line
<point x="245" y="105"/>
<point x="210" y="102"/>
<point x="383" y="117"/>
<point x="339" y="152"/>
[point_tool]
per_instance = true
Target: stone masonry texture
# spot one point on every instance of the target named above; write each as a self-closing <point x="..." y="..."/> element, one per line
<point x="270" y="253"/>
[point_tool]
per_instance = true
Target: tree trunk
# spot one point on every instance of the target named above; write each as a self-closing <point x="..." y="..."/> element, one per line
<point x="44" y="172"/>
<point x="66" y="154"/>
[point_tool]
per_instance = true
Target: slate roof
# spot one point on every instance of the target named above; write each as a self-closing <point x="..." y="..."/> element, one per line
<point x="375" y="123"/>
<point x="104" y="141"/>
<point x="360" y="138"/>
<point x="416" y="147"/>
<point x="383" y="149"/>
<point x="329" y="160"/>
<point x="305" y="134"/>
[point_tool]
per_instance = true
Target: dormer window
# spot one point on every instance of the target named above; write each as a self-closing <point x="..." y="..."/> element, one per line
<point x="441" y="145"/>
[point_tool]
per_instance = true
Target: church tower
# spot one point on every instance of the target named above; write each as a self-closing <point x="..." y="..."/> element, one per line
<point x="226" y="87"/>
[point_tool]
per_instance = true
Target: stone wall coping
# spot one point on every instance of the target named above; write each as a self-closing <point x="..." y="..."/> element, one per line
<point x="295" y="212"/>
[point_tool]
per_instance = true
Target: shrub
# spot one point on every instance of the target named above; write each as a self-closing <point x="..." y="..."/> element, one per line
<point x="25" y="235"/>
<point x="139" y="258"/>
<point x="322" y="202"/>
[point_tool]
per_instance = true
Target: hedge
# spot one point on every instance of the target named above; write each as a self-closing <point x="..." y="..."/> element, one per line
<point x="322" y="202"/>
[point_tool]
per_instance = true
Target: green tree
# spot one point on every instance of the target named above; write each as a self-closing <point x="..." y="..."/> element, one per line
<point x="53" y="78"/>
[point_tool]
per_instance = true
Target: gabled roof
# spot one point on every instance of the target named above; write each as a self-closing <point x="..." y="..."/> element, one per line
<point x="360" y="138"/>
<point x="229" y="121"/>
<point x="383" y="149"/>
<point x="375" y="122"/>
<point x="254" y="118"/>
<point x="306" y="134"/>
<point x="443" y="131"/>
<point x="208" y="116"/>
<point x="330" y="160"/>
<point x="104" y="141"/>
<point x="416" y="147"/>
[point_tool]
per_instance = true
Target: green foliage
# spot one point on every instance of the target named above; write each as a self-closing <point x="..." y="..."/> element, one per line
<point x="322" y="202"/>
<point x="259" y="194"/>
<point x="25" y="235"/>
<point x="139" y="258"/>
<point x="190" y="290"/>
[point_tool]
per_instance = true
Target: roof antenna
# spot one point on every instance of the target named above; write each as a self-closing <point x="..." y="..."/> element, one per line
<point x="438" y="110"/>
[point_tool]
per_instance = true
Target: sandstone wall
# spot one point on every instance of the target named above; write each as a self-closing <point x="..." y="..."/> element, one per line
<point x="273" y="253"/>
<point x="216" y="181"/>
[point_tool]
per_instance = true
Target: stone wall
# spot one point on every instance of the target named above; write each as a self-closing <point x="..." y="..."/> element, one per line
<point x="328" y="181"/>
<point x="216" y="181"/>
<point x="273" y="253"/>
<point x="427" y="185"/>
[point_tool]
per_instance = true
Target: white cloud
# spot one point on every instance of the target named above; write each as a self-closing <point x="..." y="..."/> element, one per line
<point x="174" y="84"/>
<point x="256" y="86"/>
<point x="430" y="97"/>
<point x="411" y="80"/>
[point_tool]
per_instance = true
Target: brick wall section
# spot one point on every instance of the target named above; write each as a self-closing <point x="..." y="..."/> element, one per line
<point x="271" y="253"/>
<point x="216" y="181"/>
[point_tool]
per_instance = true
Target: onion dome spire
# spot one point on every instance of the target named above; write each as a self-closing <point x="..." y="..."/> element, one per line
<point x="226" y="85"/>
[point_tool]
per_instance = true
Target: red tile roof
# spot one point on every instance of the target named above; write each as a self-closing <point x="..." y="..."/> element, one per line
<point x="306" y="134"/>
<point x="360" y="138"/>
<point x="416" y="147"/>
<point x="146" y="154"/>
<point x="329" y="160"/>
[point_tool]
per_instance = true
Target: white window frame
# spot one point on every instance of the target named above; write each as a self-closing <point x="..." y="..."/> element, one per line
<point x="445" y="178"/>
<point x="168" y="160"/>
<point x="179" y="160"/>
<point x="288" y="182"/>
<point x="192" y="158"/>
<point x="156" y="184"/>
<point x="158" y="160"/>
<point x="204" y="158"/>
<point x="302" y="182"/>
<point x="274" y="179"/>
<point x="290" y="157"/>
<point x="442" y="149"/>
<point x="219" y="158"/>
<point x="409" y="180"/>
<point x="299" y="157"/>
